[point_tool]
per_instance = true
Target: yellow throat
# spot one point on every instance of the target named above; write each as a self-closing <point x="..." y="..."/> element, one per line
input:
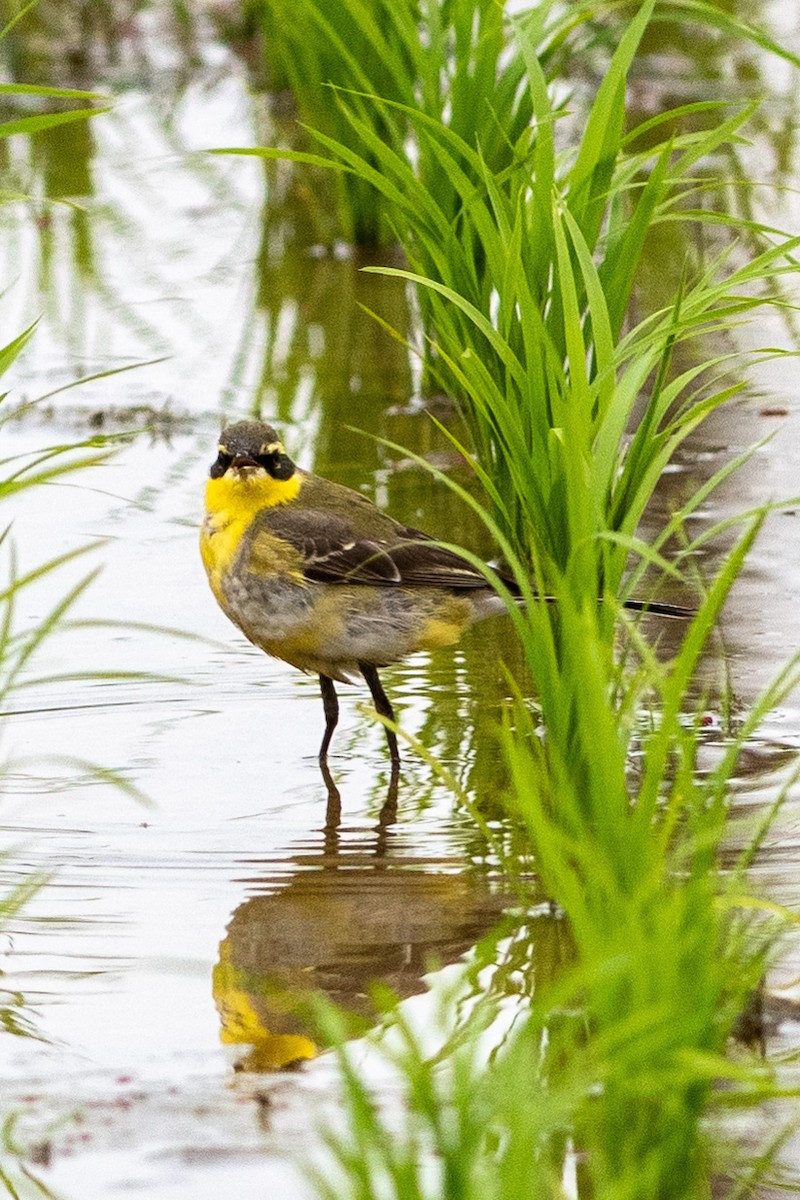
<point x="231" y="504"/>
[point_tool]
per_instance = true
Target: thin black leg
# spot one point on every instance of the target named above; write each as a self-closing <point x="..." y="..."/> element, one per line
<point x="382" y="706"/>
<point x="330" y="702"/>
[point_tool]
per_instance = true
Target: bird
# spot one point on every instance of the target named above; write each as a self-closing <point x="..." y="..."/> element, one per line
<point x="316" y="575"/>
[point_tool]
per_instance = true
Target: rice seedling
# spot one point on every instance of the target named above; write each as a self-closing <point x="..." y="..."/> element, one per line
<point x="19" y="473"/>
<point x="524" y="272"/>
<point x="402" y="52"/>
<point x="455" y="63"/>
<point x="616" y="1078"/>
<point x="19" y="646"/>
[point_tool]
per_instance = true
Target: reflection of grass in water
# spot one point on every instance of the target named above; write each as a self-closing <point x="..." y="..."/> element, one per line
<point x="18" y="474"/>
<point x="464" y="694"/>
<point x="450" y="701"/>
<point x="19" y="648"/>
<point x="68" y="240"/>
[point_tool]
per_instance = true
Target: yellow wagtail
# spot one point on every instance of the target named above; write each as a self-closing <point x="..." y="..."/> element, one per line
<point x="314" y="574"/>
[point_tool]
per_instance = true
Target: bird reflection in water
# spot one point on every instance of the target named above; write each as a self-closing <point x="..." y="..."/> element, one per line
<point x="351" y="915"/>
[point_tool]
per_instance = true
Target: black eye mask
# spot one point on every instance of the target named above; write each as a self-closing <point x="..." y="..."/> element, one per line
<point x="220" y="466"/>
<point x="278" y="465"/>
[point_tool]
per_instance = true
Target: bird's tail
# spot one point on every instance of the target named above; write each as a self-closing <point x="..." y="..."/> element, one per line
<point x="656" y="608"/>
<point x="490" y="602"/>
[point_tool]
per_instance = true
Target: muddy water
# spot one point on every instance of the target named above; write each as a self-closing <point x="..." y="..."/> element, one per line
<point x="159" y="956"/>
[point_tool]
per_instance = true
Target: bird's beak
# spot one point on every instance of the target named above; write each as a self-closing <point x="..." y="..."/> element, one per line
<point x="244" y="466"/>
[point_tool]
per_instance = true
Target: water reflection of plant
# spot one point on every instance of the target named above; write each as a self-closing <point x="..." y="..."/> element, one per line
<point x="18" y="474"/>
<point x="20" y="644"/>
<point x="19" y="648"/>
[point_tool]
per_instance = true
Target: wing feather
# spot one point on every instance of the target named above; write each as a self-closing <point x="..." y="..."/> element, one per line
<point x="333" y="552"/>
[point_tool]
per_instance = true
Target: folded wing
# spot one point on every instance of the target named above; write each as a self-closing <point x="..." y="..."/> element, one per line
<point x="333" y="553"/>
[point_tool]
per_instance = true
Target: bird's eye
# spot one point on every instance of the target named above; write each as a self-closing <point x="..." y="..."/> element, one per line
<point x="221" y="465"/>
<point x="277" y="464"/>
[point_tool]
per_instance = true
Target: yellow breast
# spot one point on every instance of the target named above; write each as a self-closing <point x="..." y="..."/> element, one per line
<point x="231" y="505"/>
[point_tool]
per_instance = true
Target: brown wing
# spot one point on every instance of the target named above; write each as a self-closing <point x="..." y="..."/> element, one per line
<point x="333" y="553"/>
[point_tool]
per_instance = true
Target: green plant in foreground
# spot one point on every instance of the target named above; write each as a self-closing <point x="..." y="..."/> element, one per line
<point x="460" y="1125"/>
<point x="634" y="863"/>
<point x="618" y="1074"/>
<point x="524" y="294"/>
<point x="624" y="1059"/>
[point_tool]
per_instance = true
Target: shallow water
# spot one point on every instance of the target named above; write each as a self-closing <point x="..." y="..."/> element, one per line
<point x="149" y="944"/>
<point x="152" y="963"/>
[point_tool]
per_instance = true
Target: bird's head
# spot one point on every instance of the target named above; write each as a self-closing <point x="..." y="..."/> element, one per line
<point x="251" y="471"/>
<point x="250" y="451"/>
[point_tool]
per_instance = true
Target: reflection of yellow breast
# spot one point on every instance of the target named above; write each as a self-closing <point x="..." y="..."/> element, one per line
<point x="241" y="1025"/>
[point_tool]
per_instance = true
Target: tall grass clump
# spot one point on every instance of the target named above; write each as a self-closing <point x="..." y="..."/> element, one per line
<point x="615" y="1079"/>
<point x="628" y="839"/>
<point x="524" y="273"/>
<point x="523" y="254"/>
<point x="451" y="62"/>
